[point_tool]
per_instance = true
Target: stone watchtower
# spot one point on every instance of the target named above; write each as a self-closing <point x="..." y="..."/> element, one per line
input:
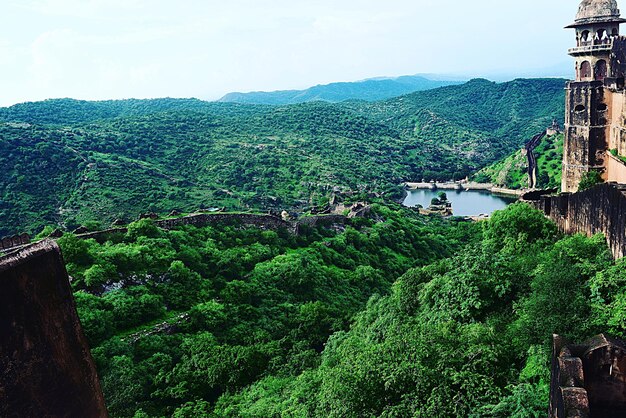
<point x="595" y="100"/>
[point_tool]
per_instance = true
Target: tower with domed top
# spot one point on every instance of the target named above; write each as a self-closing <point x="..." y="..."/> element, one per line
<point x="595" y="106"/>
<point x="597" y="26"/>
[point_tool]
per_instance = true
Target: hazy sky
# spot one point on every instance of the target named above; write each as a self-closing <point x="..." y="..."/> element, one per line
<point x="101" y="49"/>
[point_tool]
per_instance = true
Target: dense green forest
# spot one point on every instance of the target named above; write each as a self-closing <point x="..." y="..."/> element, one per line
<point x="396" y="315"/>
<point x="67" y="162"/>
<point x="391" y="315"/>
<point x="241" y="304"/>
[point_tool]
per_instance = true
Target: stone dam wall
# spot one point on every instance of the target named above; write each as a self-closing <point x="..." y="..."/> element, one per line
<point x="46" y="368"/>
<point x="601" y="209"/>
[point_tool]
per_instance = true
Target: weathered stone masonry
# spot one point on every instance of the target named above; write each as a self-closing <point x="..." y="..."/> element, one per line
<point x="588" y="380"/>
<point x="595" y="107"/>
<point x="258" y="221"/>
<point x="600" y="210"/>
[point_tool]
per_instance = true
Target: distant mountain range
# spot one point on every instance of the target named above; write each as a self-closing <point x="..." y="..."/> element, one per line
<point x="369" y="90"/>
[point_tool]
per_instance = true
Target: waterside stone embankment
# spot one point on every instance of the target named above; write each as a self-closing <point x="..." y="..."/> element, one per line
<point x="465" y="186"/>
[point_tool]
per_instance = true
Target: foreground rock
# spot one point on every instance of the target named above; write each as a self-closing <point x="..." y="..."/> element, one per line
<point x="46" y="369"/>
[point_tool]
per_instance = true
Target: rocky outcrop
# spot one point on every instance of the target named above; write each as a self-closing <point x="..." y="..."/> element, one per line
<point x="601" y="209"/>
<point x="46" y="369"/>
<point x="588" y="380"/>
<point x="320" y="220"/>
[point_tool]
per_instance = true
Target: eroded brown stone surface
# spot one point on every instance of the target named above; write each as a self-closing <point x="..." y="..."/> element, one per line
<point x="46" y="369"/>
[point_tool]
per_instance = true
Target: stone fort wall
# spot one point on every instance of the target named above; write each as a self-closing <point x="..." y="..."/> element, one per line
<point x="259" y="221"/>
<point x="269" y="222"/>
<point x="601" y="209"/>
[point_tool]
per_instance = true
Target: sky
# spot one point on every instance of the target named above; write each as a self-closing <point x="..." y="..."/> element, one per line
<point x="116" y="49"/>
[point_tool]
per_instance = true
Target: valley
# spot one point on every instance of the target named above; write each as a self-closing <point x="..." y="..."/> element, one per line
<point x="100" y="161"/>
<point x="233" y="314"/>
<point x="422" y="246"/>
<point x="220" y="309"/>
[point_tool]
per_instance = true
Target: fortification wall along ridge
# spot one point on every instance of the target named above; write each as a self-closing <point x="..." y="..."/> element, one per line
<point x="14" y="241"/>
<point x="258" y="221"/>
<point x="46" y="369"/>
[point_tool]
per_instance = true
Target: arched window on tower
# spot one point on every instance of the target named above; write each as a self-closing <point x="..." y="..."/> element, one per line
<point x="585" y="38"/>
<point x="601" y="36"/>
<point x="601" y="70"/>
<point x="585" y="70"/>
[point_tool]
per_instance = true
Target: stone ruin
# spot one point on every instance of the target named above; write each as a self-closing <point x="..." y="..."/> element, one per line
<point x="46" y="368"/>
<point x="588" y="380"/>
<point x="15" y="241"/>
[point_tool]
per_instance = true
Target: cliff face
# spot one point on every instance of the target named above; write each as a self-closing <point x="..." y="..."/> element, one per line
<point x="46" y="369"/>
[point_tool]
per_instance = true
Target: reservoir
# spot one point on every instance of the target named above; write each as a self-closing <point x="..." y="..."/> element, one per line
<point x="464" y="203"/>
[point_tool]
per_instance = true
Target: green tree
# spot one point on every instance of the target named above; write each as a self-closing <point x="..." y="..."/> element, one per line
<point x="99" y="274"/>
<point x="589" y="180"/>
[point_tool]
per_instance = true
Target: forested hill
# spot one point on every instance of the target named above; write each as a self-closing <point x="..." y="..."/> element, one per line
<point x="369" y="90"/>
<point x="67" y="162"/>
<point x="71" y="112"/>
<point x="478" y="121"/>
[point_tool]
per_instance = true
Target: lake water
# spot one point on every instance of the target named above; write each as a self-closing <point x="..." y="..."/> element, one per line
<point x="464" y="203"/>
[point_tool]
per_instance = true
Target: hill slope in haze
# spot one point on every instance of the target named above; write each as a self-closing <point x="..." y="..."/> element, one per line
<point x="368" y="90"/>
<point x="68" y="162"/>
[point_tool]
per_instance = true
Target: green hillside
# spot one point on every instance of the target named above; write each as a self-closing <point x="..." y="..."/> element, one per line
<point x="512" y="171"/>
<point x="72" y="112"/>
<point x="467" y="127"/>
<point x="71" y="162"/>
